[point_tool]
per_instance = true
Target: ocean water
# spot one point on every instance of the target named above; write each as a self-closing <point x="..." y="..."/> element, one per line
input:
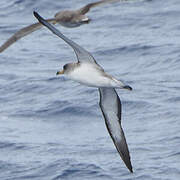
<point x="52" y="128"/>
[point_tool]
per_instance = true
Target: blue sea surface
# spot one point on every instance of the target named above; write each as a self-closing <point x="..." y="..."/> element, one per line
<point x="52" y="128"/>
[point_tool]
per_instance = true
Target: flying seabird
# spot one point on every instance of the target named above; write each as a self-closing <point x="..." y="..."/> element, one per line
<point x="88" y="72"/>
<point x="66" y="18"/>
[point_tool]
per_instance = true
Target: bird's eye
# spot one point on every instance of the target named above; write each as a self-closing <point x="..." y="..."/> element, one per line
<point x="65" y="67"/>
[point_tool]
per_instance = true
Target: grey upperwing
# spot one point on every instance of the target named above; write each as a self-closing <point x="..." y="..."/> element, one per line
<point x="81" y="53"/>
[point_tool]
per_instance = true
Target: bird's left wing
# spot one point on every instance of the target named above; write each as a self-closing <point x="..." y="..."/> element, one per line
<point x="23" y="32"/>
<point x="87" y="7"/>
<point x="81" y="53"/>
<point x="110" y="105"/>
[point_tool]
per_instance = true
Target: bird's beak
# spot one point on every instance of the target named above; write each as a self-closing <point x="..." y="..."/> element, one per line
<point x="60" y="72"/>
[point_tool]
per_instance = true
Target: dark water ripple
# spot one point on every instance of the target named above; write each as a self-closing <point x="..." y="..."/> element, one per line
<point x="52" y="128"/>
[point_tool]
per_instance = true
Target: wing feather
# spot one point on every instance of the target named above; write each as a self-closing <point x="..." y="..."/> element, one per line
<point x="87" y="7"/>
<point x="81" y="53"/>
<point x="110" y="105"/>
<point x="23" y="32"/>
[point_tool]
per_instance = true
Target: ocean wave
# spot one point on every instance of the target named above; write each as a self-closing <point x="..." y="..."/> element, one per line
<point x="83" y="170"/>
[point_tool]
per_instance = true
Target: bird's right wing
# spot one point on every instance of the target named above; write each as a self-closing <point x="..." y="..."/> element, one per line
<point x="81" y="53"/>
<point x="110" y="105"/>
<point x="23" y="32"/>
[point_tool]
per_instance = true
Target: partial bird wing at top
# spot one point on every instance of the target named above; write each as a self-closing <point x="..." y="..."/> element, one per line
<point x="86" y="8"/>
<point x="81" y="53"/>
<point x="23" y="32"/>
<point x="110" y="105"/>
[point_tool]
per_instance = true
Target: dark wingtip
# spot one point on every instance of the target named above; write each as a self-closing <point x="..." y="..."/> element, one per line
<point x="129" y="166"/>
<point x="37" y="16"/>
<point x="131" y="170"/>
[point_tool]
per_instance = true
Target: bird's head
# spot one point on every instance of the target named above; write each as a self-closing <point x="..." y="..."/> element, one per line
<point x="67" y="68"/>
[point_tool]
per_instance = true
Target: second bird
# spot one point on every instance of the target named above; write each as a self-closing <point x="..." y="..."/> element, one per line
<point x="66" y="18"/>
<point x="88" y="72"/>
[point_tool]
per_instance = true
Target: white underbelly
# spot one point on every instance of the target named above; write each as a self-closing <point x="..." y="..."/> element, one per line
<point x="90" y="76"/>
